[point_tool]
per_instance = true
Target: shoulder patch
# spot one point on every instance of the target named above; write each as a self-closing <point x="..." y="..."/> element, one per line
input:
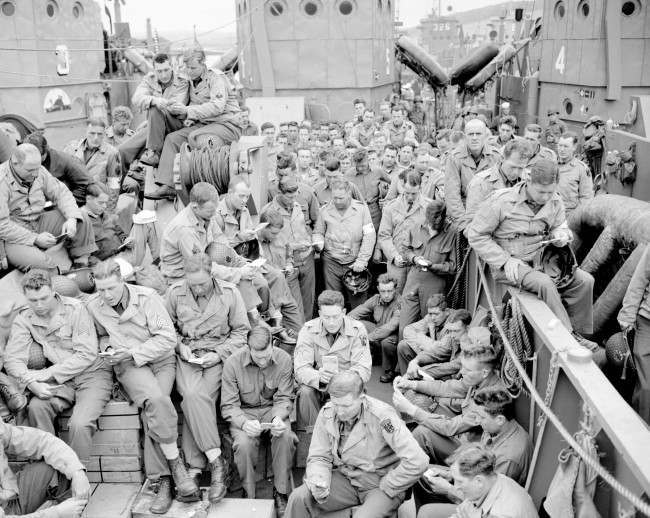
<point x="387" y="425"/>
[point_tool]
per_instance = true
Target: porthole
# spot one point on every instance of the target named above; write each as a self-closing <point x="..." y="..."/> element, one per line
<point x="310" y="7"/>
<point x="277" y="8"/>
<point x="583" y="8"/>
<point x="8" y="8"/>
<point x="568" y="106"/>
<point x="631" y="7"/>
<point x="52" y="8"/>
<point x="77" y="10"/>
<point x="346" y="7"/>
<point x="559" y="10"/>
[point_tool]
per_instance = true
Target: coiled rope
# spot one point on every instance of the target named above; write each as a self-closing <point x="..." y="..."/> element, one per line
<point x="515" y="327"/>
<point x="456" y="294"/>
<point x="210" y="164"/>
<point x="590" y="461"/>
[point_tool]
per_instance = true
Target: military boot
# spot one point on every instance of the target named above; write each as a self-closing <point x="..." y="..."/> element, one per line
<point x="163" y="500"/>
<point x="186" y="488"/>
<point x="217" y="481"/>
<point x="14" y="400"/>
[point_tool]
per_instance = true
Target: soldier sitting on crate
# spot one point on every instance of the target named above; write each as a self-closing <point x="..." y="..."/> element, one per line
<point x="257" y="396"/>
<point x="210" y="317"/>
<point x="24" y="492"/>
<point x="73" y="376"/>
<point x="233" y="218"/>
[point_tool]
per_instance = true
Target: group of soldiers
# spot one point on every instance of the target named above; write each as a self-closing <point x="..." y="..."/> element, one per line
<point x="274" y="327"/>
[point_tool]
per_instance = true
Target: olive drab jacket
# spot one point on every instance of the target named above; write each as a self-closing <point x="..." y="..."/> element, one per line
<point x="177" y="91"/>
<point x="480" y="188"/>
<point x="396" y="222"/>
<point x="575" y="185"/>
<point x="213" y="98"/>
<point x="505" y="226"/>
<point x="379" y="452"/>
<point x="231" y="223"/>
<point x="350" y="347"/>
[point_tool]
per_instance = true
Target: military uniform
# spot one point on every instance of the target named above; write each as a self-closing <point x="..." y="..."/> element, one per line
<point x="109" y="235"/>
<point x="347" y="238"/>
<point x="440" y="359"/>
<point x="252" y="393"/>
<point x="362" y="135"/>
<point x="508" y="227"/>
<point x="70" y="171"/>
<point x="69" y="343"/>
<point x="553" y="132"/>
<point x="396" y="221"/>
<point x="575" y="185"/>
<point x="369" y="185"/>
<point x="25" y="491"/>
<point x="370" y="463"/>
<point x="398" y="136"/>
<point x="417" y="336"/>
<point x="542" y="153"/>
<point x="23" y="216"/>
<point x="421" y="284"/>
<point x="324" y="193"/>
<point x="381" y="320"/>
<point x="305" y="197"/>
<point x="112" y="139"/>
<point x="218" y="324"/>
<point x="232" y="222"/>
<point x="481" y="187"/>
<point x="460" y="168"/>
<point x="145" y="329"/>
<point x="350" y="346"/>
<point x="213" y="108"/>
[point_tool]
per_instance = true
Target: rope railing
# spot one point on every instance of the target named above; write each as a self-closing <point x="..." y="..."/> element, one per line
<point x="637" y="502"/>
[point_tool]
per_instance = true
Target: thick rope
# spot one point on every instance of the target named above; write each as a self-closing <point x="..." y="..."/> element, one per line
<point x="590" y="461"/>
<point x="515" y="327"/>
<point x="211" y="164"/>
<point x="456" y="294"/>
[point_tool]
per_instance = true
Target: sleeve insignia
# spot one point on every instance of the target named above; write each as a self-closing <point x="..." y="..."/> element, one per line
<point x="387" y="425"/>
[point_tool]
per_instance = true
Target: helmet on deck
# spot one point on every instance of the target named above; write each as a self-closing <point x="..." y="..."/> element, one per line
<point x="559" y="263"/>
<point x="357" y="282"/>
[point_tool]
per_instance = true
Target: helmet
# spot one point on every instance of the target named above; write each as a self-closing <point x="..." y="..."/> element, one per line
<point x="357" y="282"/>
<point x="65" y="286"/>
<point x="559" y="263"/>
<point x="84" y="278"/>
<point x="619" y="357"/>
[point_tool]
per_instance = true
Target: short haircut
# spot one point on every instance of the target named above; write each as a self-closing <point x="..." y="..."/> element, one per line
<point x="384" y="278"/>
<point x="473" y="460"/>
<point x="198" y="262"/>
<point x="392" y="147"/>
<point x="106" y="269"/>
<point x="437" y="300"/>
<point x="517" y="145"/>
<point x="203" y="192"/>
<point x="435" y="209"/>
<point x="122" y="113"/>
<point x="37" y="139"/>
<point x="272" y="216"/>
<point x="303" y="148"/>
<point x="259" y="338"/>
<point x="195" y="54"/>
<point x="332" y="164"/>
<point x="460" y="315"/>
<point x="344" y="383"/>
<point x="267" y="125"/>
<point x="331" y="298"/>
<point x="412" y="178"/>
<point x="36" y="279"/>
<point x="359" y="101"/>
<point x="571" y="135"/>
<point x="495" y="401"/>
<point x="161" y="57"/>
<point x="95" y="190"/>
<point x="484" y="354"/>
<point x="285" y="161"/>
<point x="96" y="121"/>
<point x="21" y="151"/>
<point x="341" y="184"/>
<point x="236" y="180"/>
<point x="534" y="128"/>
<point x="544" y="172"/>
<point x="288" y="183"/>
<point x="509" y="120"/>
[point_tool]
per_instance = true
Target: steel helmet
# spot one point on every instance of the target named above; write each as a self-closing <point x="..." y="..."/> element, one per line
<point x="559" y="263"/>
<point x="84" y="278"/>
<point x="357" y="282"/>
<point x="65" y="286"/>
<point x="619" y="357"/>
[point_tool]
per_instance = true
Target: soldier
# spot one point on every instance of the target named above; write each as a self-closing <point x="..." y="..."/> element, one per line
<point x="138" y="339"/>
<point x="389" y="160"/>
<point x="210" y="317"/>
<point x="323" y="188"/>
<point x="398" y="218"/>
<point x="249" y="129"/>
<point x="554" y="130"/>
<point x="361" y="454"/>
<point x="109" y="235"/>
<point x="120" y="130"/>
<point x="26" y="227"/>
<point x="232" y="215"/>
<point x="533" y="134"/>
<point x="419" y="118"/>
<point x="363" y="132"/>
<point x="380" y="316"/>
<point x="346" y="235"/>
<point x="516" y="154"/>
<point x="429" y="250"/>
<point x="26" y="490"/>
<point x="508" y="231"/>
<point x="158" y="90"/>
<point x="399" y="131"/>
<point x="485" y="492"/>
<point x="305" y="172"/>
<point x="76" y="378"/>
<point x="372" y="183"/>
<point x="328" y="344"/>
<point x="462" y="165"/>
<point x="213" y="109"/>
<point x="575" y="185"/>
<point x="506" y="132"/>
<point x="257" y="397"/>
<point x="432" y="326"/>
<point x="384" y="114"/>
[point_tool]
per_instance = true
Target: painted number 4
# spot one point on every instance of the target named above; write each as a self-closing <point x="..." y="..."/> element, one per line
<point x="560" y="62"/>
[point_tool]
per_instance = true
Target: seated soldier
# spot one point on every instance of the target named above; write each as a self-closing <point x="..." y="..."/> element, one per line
<point x="419" y="334"/>
<point x="232" y="215"/>
<point x="440" y="359"/>
<point x="361" y="454"/>
<point x="25" y="491"/>
<point x="257" y="397"/>
<point x="138" y="339"/>
<point x="484" y="491"/>
<point x="210" y="317"/>
<point x="429" y="250"/>
<point x="326" y="345"/>
<point x="511" y="228"/>
<point x="34" y="208"/>
<point x="120" y="131"/>
<point x="380" y="316"/>
<point x="76" y="377"/>
<point x="109" y="235"/>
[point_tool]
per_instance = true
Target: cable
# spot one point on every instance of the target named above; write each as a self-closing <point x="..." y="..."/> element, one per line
<point x="604" y="474"/>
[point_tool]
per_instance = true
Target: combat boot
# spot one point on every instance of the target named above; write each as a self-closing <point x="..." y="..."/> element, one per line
<point x="186" y="487"/>
<point x="14" y="400"/>
<point x="217" y="481"/>
<point x="163" y="500"/>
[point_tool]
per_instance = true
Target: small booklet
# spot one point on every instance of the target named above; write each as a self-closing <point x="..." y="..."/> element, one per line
<point x="331" y="363"/>
<point x="259" y="262"/>
<point x="194" y="359"/>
